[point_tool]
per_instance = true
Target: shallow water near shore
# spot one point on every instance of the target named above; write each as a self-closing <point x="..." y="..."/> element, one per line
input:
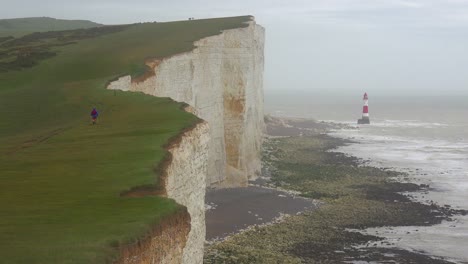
<point x="435" y="154"/>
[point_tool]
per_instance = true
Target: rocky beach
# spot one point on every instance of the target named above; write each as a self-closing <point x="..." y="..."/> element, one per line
<point x="353" y="196"/>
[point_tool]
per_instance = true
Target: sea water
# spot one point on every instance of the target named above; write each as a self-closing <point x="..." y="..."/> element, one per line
<point x="425" y="137"/>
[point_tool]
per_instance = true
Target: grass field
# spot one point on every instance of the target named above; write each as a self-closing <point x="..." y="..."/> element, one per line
<point x="60" y="176"/>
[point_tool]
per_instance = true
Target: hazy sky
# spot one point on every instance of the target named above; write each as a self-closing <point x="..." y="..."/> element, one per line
<point x="341" y="46"/>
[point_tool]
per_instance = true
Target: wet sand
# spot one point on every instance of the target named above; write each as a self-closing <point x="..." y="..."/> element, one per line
<point x="233" y="210"/>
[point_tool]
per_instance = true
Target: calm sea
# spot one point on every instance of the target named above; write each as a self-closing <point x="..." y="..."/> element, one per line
<point x="427" y="137"/>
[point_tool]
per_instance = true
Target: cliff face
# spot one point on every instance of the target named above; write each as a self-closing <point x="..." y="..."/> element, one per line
<point x="180" y="238"/>
<point x="222" y="79"/>
<point x="185" y="183"/>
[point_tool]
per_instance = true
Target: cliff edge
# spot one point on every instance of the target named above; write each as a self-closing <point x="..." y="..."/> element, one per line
<point x="180" y="238"/>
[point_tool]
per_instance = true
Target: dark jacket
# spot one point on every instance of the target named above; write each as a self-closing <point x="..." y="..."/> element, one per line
<point x="94" y="113"/>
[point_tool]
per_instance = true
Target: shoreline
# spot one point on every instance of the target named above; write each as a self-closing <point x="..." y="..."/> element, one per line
<point x="356" y="197"/>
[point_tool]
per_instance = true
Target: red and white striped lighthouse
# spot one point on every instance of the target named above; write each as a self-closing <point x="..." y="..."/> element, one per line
<point x="365" y="111"/>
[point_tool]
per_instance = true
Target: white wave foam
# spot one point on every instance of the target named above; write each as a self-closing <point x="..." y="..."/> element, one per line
<point x="388" y="123"/>
<point x="435" y="240"/>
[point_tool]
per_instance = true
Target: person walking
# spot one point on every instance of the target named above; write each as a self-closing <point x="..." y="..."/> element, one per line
<point x="94" y="115"/>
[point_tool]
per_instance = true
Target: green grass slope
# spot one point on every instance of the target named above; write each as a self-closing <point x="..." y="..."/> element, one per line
<point x="60" y="177"/>
<point x="21" y="26"/>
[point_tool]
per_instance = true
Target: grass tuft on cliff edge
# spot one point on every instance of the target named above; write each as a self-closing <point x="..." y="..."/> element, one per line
<point x="61" y="177"/>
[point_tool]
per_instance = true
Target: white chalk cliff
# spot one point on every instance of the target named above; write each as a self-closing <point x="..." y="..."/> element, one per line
<point x="185" y="183"/>
<point x="222" y="80"/>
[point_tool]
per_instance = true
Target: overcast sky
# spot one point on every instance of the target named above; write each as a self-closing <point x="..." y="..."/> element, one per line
<point x="341" y="46"/>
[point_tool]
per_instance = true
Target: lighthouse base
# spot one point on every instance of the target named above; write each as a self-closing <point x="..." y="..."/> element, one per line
<point x="363" y="121"/>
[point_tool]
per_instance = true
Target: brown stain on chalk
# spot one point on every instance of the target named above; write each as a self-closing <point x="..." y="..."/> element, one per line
<point x="234" y="109"/>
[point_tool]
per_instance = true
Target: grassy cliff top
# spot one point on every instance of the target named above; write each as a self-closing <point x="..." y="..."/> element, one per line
<point x="22" y="26"/>
<point x="61" y="176"/>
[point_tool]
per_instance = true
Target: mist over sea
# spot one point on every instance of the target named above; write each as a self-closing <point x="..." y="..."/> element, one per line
<point x="426" y="137"/>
